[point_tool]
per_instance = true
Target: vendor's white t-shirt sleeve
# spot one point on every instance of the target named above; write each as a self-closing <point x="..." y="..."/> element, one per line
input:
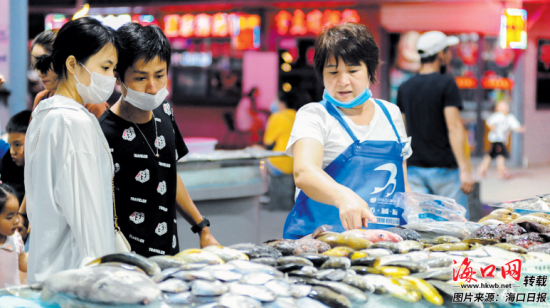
<point x="309" y="123"/>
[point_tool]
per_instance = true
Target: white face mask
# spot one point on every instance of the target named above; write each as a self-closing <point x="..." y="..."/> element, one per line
<point x="100" y="89"/>
<point x="145" y="101"/>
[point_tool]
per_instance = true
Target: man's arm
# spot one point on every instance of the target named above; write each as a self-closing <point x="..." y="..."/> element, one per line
<point x="192" y="215"/>
<point x="457" y="138"/>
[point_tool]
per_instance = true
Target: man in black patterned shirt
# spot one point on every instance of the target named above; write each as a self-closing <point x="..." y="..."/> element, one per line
<point x="146" y="144"/>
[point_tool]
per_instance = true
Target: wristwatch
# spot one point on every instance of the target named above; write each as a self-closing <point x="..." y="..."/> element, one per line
<point x="198" y="227"/>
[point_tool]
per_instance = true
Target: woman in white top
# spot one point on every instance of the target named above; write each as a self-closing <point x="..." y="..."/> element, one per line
<point x="349" y="149"/>
<point x="69" y="167"/>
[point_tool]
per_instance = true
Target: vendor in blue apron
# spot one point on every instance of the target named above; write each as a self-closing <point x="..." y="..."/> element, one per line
<point x="349" y="149"/>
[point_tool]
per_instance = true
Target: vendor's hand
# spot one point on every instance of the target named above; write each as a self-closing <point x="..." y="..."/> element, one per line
<point x="2" y="80"/>
<point x="466" y="181"/>
<point x="354" y="211"/>
<point x="206" y="238"/>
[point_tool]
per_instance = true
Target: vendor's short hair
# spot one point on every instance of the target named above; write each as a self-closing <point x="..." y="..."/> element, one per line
<point x="138" y="42"/>
<point x="19" y="122"/>
<point x="352" y="42"/>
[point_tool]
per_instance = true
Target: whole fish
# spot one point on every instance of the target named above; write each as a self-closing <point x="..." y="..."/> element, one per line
<point x="505" y="217"/>
<point x="413" y="267"/>
<point x="260" y="293"/>
<point x="279" y="287"/>
<point x="173" y="286"/>
<point x="444" y="240"/>
<point x="294" y="260"/>
<point x="329" y="297"/>
<point x="480" y="252"/>
<point x="199" y="255"/>
<point x="353" y="294"/>
<point x="406" y="234"/>
<point x="148" y="266"/>
<point x="227" y="254"/>
<point x="339" y="252"/>
<point x="336" y="263"/>
<point x="301" y="273"/>
<point x="449" y="247"/>
<point x="245" y="267"/>
<point x="493" y="251"/>
<point x="374" y="235"/>
<point x="165" y="262"/>
<point x="336" y="275"/>
<point x="254" y="251"/>
<point x="377" y="252"/>
<point x="511" y="247"/>
<point x="392" y="271"/>
<point x="360" y="283"/>
<point x="229" y="300"/>
<point x="385" y="260"/>
<point x="434" y="229"/>
<point x="256" y="278"/>
<point x="316" y="259"/>
<point x="226" y="276"/>
<point x="542" y="215"/>
<point x="125" y="266"/>
<point x="412" y="290"/>
<point x="501" y="211"/>
<point x="266" y="261"/>
<point x="310" y="246"/>
<point x="285" y="246"/>
<point x="407" y="246"/>
<point x="165" y="274"/>
<point x="392" y="287"/>
<point x="194" y="275"/>
<point x="338" y="239"/>
<point x="103" y="285"/>
<point x="427" y="290"/>
<point x="299" y="291"/>
<point x="282" y="302"/>
<point x="537" y="219"/>
<point x="289" y="267"/>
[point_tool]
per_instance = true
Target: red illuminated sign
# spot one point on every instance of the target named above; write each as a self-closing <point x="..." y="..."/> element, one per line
<point x="145" y="20"/>
<point x="466" y="82"/>
<point x="243" y="29"/>
<point x="299" y="23"/>
<point x="492" y="81"/>
<point x="55" y="21"/>
<point x="513" y="29"/>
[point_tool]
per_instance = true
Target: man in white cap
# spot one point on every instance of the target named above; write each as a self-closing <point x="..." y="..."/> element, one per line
<point x="430" y="102"/>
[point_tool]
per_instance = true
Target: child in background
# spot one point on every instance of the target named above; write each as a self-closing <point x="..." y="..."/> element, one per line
<point x="12" y="252"/>
<point x="500" y="123"/>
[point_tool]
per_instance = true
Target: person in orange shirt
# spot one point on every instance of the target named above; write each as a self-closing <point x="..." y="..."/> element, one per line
<point x="277" y="132"/>
<point x="43" y="45"/>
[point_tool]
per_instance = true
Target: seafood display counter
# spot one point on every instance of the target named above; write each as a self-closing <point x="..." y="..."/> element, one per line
<point x="503" y="260"/>
<point x="225" y="186"/>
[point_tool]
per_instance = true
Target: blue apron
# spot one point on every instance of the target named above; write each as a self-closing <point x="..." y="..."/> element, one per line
<point x="372" y="169"/>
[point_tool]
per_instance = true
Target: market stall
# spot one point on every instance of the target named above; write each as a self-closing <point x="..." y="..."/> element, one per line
<point x="437" y="258"/>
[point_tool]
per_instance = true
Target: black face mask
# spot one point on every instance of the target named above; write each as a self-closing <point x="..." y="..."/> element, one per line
<point x="443" y="69"/>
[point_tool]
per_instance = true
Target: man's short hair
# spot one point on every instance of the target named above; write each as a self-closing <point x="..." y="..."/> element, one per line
<point x="432" y="58"/>
<point x="141" y="42"/>
<point x="352" y="42"/>
<point x="19" y="122"/>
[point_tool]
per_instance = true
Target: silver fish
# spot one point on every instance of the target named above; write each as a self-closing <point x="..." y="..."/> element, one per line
<point x="437" y="262"/>
<point x="502" y="253"/>
<point x="193" y="275"/>
<point x="282" y="302"/>
<point x="435" y="229"/>
<point x="360" y="283"/>
<point x="165" y="262"/>
<point x="479" y="253"/>
<point x="279" y="287"/>
<point x="103" y="285"/>
<point x="377" y="252"/>
<point x="219" y="267"/>
<point x="337" y="275"/>
<point x="306" y="302"/>
<point x="245" y="267"/>
<point x="226" y="276"/>
<point x="294" y="260"/>
<point x="256" y="292"/>
<point x="229" y="300"/>
<point x="300" y="290"/>
<point x="256" y="278"/>
<point x="265" y="261"/>
<point x="173" y="286"/>
<point x="353" y="294"/>
<point x="309" y="269"/>
<point x="208" y="288"/>
<point x="336" y="263"/>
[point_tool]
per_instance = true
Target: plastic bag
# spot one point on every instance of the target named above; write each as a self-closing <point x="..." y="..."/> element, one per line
<point x="419" y="208"/>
